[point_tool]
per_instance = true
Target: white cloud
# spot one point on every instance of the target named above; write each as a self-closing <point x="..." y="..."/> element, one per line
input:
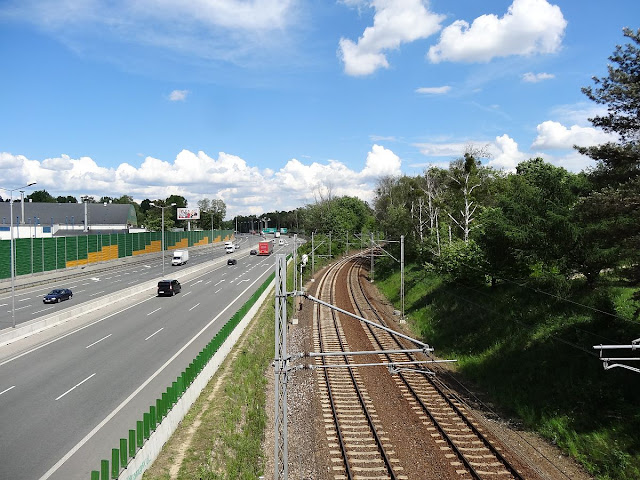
<point x="555" y="136"/>
<point x="434" y="90"/>
<point x="578" y="113"/>
<point x="245" y="189"/>
<point x="531" y="77"/>
<point x="505" y="154"/>
<point x="178" y="95"/>
<point x="452" y="150"/>
<point x="529" y="27"/>
<point x="228" y="30"/>
<point x="394" y="23"/>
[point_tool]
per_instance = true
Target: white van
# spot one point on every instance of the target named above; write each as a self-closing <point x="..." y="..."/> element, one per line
<point x="229" y="249"/>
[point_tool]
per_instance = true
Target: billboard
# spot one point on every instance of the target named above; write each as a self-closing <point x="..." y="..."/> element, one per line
<point x="188" y="214"/>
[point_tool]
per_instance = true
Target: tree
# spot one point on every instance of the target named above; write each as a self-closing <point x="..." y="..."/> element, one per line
<point x="67" y="199"/>
<point x="466" y="175"/>
<point x="531" y="229"/>
<point x="41" y="196"/>
<point x="611" y="213"/>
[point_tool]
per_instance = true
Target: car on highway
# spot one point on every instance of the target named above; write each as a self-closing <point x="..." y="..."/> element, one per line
<point x="232" y="261"/>
<point x="57" y="295"/>
<point x="253" y="252"/>
<point x="168" y="287"/>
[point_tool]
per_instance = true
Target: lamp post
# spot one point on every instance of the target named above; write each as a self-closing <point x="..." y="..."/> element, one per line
<point x="162" y="247"/>
<point x="13" y="262"/>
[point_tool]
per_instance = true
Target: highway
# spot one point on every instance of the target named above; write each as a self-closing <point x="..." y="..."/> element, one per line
<point x="29" y="305"/>
<point x="68" y="397"/>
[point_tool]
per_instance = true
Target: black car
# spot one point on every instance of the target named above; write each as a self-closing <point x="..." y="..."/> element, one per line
<point x="232" y="261"/>
<point x="253" y="252"/>
<point x="168" y="287"/>
<point x="57" y="295"/>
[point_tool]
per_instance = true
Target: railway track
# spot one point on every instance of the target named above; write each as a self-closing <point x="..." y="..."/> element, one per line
<point x="359" y="445"/>
<point x="472" y="452"/>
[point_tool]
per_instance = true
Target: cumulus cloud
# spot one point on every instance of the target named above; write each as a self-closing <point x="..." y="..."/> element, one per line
<point x="555" y="136"/>
<point x="531" y="77"/>
<point x="178" y="95"/>
<point x="395" y="22"/>
<point x="434" y="90"/>
<point x="505" y="154"/>
<point x="529" y="27"/>
<point x="246" y="189"/>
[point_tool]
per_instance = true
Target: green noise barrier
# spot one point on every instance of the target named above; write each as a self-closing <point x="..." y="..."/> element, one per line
<point x="151" y="419"/>
<point x="37" y="255"/>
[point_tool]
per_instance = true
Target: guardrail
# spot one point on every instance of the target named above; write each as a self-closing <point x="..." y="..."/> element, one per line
<point x="123" y="457"/>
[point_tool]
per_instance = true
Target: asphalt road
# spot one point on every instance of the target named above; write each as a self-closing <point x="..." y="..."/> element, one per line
<point x="28" y="302"/>
<point x="65" y="401"/>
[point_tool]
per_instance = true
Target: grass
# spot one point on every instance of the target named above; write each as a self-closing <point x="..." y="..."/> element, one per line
<point x="227" y="443"/>
<point x="532" y="354"/>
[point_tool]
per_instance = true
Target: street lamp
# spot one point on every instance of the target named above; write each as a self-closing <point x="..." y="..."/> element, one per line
<point x="162" y="247"/>
<point x="13" y="262"/>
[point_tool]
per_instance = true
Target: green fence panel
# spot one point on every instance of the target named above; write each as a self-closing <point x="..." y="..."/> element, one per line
<point x="115" y="462"/>
<point x="104" y="470"/>
<point x="37" y="255"/>
<point x="132" y="443"/>
<point x="123" y="452"/>
<point x="92" y="244"/>
<point x="50" y="252"/>
<point x="5" y="252"/>
<point x="23" y="255"/>
<point x="71" y="249"/>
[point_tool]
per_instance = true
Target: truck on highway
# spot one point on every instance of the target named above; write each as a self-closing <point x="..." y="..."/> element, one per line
<point x="265" y="248"/>
<point x="276" y="234"/>
<point x="180" y="257"/>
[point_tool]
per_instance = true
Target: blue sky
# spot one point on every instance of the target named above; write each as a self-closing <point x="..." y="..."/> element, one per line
<point x="272" y="104"/>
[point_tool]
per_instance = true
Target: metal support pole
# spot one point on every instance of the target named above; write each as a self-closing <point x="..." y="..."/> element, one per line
<point x="13" y="266"/>
<point x="162" y="242"/>
<point x="347" y="249"/>
<point x="402" y="276"/>
<point x="313" y="258"/>
<point x="280" y="366"/>
<point x="295" y="262"/>
<point x="371" y="273"/>
<point x="329" y="244"/>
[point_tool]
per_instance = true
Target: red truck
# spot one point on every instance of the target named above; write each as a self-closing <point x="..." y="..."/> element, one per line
<point x="265" y="248"/>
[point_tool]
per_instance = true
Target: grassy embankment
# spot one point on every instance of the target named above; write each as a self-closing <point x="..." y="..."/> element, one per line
<point x="228" y="424"/>
<point x="532" y="354"/>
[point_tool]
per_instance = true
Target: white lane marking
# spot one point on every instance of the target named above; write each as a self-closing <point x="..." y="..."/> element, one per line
<point x="146" y="266"/>
<point x="40" y="311"/>
<point x="73" y="388"/>
<point x="80" y="291"/>
<point x="108" y="278"/>
<point x="3" y="304"/>
<point x="131" y="283"/>
<point x="97" y="293"/>
<point x="72" y="332"/>
<point x="223" y="280"/>
<point x="20" y="308"/>
<point x="10" y="388"/>
<point x="24" y="299"/>
<point x="188" y="293"/>
<point x="245" y="280"/>
<point x="206" y="283"/>
<point x="103" y="338"/>
<point x="199" y="281"/>
<point x="157" y="331"/>
<point x="151" y="313"/>
<point x="217" y="290"/>
<point x="95" y="279"/>
<point x="194" y="306"/>
<point x="124" y="403"/>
